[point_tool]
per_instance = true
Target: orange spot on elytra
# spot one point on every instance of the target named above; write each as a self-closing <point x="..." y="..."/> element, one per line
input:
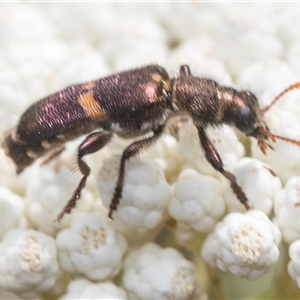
<point x="91" y="107"/>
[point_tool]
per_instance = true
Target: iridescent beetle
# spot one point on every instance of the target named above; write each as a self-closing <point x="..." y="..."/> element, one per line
<point x="132" y="104"/>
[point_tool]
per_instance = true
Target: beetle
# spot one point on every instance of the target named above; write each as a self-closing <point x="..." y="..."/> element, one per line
<point x="132" y="104"/>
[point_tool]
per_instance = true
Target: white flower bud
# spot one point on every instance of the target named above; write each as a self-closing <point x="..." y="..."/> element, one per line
<point x="243" y="244"/>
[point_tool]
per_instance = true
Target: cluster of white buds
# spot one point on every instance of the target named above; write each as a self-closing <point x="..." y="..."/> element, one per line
<point x="178" y="219"/>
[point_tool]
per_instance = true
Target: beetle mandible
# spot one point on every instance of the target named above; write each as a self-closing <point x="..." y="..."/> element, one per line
<point x="133" y="104"/>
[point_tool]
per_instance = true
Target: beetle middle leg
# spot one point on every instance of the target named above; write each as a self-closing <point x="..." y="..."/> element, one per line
<point x="92" y="143"/>
<point x="215" y="160"/>
<point x="132" y="150"/>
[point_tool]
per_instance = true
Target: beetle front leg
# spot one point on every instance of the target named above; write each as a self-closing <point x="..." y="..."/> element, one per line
<point x="93" y="142"/>
<point x="132" y="150"/>
<point x="213" y="157"/>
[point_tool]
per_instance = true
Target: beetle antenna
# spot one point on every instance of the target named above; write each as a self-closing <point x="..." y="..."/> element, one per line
<point x="288" y="89"/>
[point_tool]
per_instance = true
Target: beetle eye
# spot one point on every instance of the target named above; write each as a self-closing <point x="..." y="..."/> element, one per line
<point x="245" y="119"/>
<point x="244" y="113"/>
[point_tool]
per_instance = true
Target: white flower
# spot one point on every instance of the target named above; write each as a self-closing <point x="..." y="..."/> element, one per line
<point x="192" y="52"/>
<point x="11" y="93"/>
<point x="91" y="247"/>
<point x="84" y="289"/>
<point x="166" y="152"/>
<point x="45" y="47"/>
<point x="11" y="212"/>
<point x="197" y="201"/>
<point x="268" y="79"/>
<point x="294" y="263"/>
<point x="287" y="210"/>
<point x="39" y="28"/>
<point x="243" y="244"/>
<point x="28" y="262"/>
<point x="8" y="176"/>
<point x="151" y="272"/>
<point x="257" y="181"/>
<point x="145" y="193"/>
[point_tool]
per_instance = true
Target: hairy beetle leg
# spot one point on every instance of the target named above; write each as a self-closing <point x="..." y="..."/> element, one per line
<point x="215" y="160"/>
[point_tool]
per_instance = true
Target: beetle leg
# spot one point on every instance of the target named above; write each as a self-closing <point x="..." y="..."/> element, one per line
<point x="215" y="160"/>
<point x="92" y="143"/>
<point x="132" y="150"/>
